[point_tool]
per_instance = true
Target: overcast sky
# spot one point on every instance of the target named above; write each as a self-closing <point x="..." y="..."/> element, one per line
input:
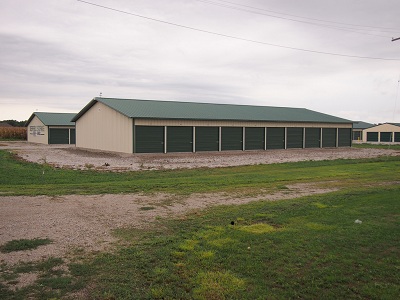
<point x="56" y="56"/>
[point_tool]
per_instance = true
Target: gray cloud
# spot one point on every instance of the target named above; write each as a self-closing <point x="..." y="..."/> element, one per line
<point x="57" y="55"/>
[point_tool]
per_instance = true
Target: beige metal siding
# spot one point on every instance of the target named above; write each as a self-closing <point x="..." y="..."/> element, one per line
<point x="38" y="132"/>
<point x="103" y="128"/>
<point x="380" y="128"/>
<point x="161" y="122"/>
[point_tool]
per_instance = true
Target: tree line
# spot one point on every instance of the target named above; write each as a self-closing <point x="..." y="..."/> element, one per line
<point x="14" y="123"/>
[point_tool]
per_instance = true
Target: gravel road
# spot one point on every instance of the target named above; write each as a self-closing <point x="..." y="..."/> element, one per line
<point x="75" y="158"/>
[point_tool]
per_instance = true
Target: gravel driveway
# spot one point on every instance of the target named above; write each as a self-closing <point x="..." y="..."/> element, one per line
<point x="66" y="156"/>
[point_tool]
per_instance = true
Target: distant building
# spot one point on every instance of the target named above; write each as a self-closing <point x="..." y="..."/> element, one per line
<point x="383" y="133"/>
<point x="147" y="126"/>
<point x="358" y="127"/>
<point x="51" y="128"/>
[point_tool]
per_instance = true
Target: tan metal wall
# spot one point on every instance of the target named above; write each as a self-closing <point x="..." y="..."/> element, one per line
<point x="380" y="128"/>
<point x="38" y="132"/>
<point x="159" y="122"/>
<point x="103" y="128"/>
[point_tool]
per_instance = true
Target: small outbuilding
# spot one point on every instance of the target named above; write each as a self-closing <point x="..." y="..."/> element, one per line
<point x="51" y="128"/>
<point x="383" y="133"/>
<point x="147" y="126"/>
<point x="358" y="127"/>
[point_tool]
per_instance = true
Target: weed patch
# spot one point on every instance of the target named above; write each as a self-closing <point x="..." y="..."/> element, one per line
<point x="217" y="285"/>
<point x="257" y="228"/>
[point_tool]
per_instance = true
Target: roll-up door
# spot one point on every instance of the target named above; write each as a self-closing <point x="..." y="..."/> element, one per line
<point x="294" y="137"/>
<point x="207" y="138"/>
<point x="149" y="139"/>
<point x="179" y="139"/>
<point x="275" y="138"/>
<point x="58" y="136"/>
<point x="72" y="135"/>
<point x="231" y="138"/>
<point x="397" y="137"/>
<point x="313" y="137"/>
<point x="344" y="137"/>
<point x="254" y="138"/>
<point x="386" y="136"/>
<point x="328" y="137"/>
<point x="372" y="136"/>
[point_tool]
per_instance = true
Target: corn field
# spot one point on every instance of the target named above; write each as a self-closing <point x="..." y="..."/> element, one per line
<point x="13" y="133"/>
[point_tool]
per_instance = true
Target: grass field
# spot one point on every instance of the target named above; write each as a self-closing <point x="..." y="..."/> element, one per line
<point x="377" y="146"/>
<point x="307" y="248"/>
<point x="22" y="178"/>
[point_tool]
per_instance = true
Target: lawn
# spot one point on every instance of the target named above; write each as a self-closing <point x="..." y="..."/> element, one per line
<point x="21" y="178"/>
<point x="377" y="146"/>
<point x="307" y="248"/>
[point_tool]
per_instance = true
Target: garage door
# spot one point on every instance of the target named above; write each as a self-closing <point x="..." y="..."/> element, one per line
<point x="344" y="137"/>
<point x="397" y="137"/>
<point x="328" y="137"/>
<point x="275" y="138"/>
<point x="72" y="136"/>
<point x="372" y="136"/>
<point x="179" y="139"/>
<point x="149" y="139"/>
<point x="58" y="136"/>
<point x="254" y="138"/>
<point x="313" y="137"/>
<point x="207" y="138"/>
<point x="294" y="137"/>
<point x="386" y="136"/>
<point x="231" y="138"/>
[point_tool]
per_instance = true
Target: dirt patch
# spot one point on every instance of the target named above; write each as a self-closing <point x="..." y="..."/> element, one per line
<point x="86" y="222"/>
<point x="23" y="280"/>
<point x="67" y="156"/>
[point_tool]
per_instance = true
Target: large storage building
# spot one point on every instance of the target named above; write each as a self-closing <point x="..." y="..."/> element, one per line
<point x="147" y="126"/>
<point x="51" y="128"/>
<point x="387" y="133"/>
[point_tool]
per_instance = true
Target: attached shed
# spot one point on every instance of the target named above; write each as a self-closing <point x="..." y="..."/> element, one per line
<point x="383" y="133"/>
<point x="358" y="127"/>
<point x="51" y="128"/>
<point x="147" y="126"/>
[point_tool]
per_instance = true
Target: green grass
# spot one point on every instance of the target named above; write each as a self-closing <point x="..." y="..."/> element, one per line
<point x="21" y="178"/>
<point x="377" y="146"/>
<point x="308" y="248"/>
<point x="23" y="244"/>
<point x="52" y="281"/>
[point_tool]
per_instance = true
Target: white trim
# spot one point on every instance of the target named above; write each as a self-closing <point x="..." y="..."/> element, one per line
<point x="194" y="139"/>
<point x="244" y="138"/>
<point x="165" y="139"/>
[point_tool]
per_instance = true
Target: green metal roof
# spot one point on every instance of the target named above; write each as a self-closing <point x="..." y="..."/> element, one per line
<point x="53" y="119"/>
<point x="152" y="109"/>
<point x="362" y="125"/>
